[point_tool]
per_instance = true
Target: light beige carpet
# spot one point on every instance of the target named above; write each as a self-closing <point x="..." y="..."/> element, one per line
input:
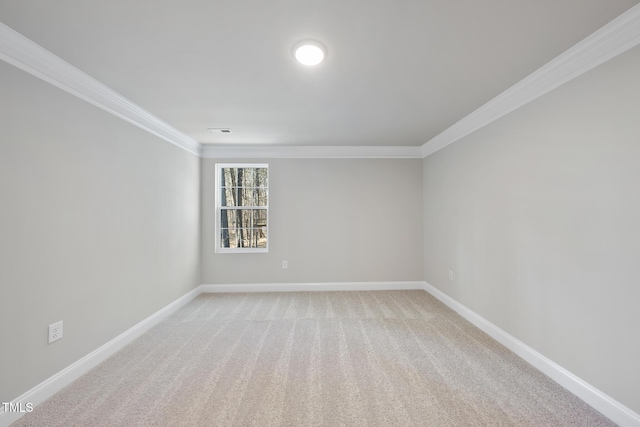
<point x="389" y="358"/>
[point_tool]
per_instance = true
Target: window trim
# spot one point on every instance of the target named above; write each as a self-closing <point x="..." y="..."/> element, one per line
<point x="218" y="207"/>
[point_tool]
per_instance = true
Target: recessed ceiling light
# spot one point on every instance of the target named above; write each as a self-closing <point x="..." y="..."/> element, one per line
<point x="309" y="52"/>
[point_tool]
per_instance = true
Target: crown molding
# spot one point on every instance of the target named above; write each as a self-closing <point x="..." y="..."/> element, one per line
<point x="28" y="56"/>
<point x="310" y="152"/>
<point x="616" y="37"/>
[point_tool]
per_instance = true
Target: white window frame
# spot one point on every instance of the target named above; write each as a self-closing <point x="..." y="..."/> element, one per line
<point x="218" y="194"/>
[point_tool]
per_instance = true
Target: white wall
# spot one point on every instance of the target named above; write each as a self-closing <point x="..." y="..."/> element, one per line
<point x="99" y="227"/>
<point x="538" y="215"/>
<point x="333" y="220"/>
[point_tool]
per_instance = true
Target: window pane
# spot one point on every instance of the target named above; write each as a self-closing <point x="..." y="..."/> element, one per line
<point x="262" y="177"/>
<point x="260" y="237"/>
<point x="229" y="177"/>
<point x="252" y="196"/>
<point x="245" y="196"/>
<point x="243" y="238"/>
<point x="227" y="238"/>
<point x="228" y="196"/>
<point x="246" y="219"/>
<point x="260" y="197"/>
<point x="249" y="177"/>
<point x="236" y="238"/>
<point x="229" y="218"/>
<point x="239" y="238"/>
<point x="259" y="217"/>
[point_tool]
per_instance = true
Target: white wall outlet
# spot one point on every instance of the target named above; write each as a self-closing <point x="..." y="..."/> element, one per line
<point x="285" y="264"/>
<point x="55" y="331"/>
<point x="450" y="275"/>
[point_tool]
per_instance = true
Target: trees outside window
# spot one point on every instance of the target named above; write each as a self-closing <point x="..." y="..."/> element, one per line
<point x="242" y="207"/>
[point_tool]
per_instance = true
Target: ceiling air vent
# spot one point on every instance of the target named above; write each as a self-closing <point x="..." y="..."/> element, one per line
<point x="220" y="130"/>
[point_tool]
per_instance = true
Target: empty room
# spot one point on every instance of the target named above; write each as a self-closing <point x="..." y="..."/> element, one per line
<point x="384" y="213"/>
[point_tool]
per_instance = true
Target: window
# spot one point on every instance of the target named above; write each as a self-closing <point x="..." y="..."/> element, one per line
<point x="242" y="207"/>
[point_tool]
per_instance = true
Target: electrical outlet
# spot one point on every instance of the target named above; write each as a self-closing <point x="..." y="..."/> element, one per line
<point x="55" y="331"/>
<point x="450" y="275"/>
<point x="285" y="264"/>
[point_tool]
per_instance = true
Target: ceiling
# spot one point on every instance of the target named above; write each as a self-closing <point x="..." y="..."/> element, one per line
<point x="397" y="72"/>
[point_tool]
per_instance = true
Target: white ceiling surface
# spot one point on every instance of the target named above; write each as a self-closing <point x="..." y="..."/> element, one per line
<point x="397" y="72"/>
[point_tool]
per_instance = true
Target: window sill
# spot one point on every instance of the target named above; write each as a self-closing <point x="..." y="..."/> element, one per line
<point x="242" y="251"/>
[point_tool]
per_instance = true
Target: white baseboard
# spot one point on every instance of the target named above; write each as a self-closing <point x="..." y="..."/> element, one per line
<point x="57" y="382"/>
<point x="612" y="409"/>
<point x="297" y="287"/>
<point x="52" y="385"/>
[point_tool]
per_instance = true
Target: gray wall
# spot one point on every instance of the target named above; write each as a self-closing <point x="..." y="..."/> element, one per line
<point x="333" y="220"/>
<point x="99" y="227"/>
<point x="538" y="215"/>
